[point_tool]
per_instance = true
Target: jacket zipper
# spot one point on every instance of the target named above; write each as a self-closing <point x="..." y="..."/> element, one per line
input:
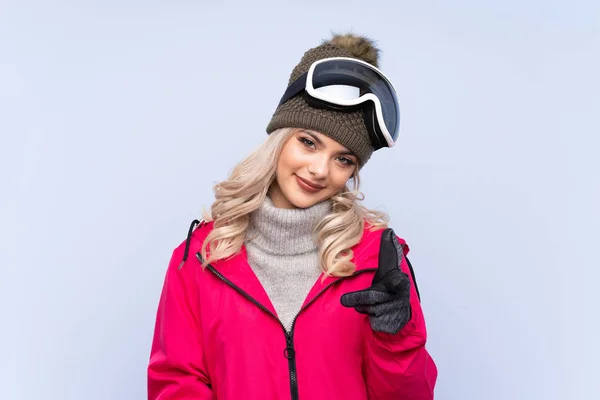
<point x="290" y="334"/>
<point x="289" y="352"/>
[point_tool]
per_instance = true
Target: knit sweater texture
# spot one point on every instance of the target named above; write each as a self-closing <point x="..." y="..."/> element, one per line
<point x="283" y="253"/>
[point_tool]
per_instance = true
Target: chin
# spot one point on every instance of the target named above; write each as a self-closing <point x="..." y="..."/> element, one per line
<point x="302" y="200"/>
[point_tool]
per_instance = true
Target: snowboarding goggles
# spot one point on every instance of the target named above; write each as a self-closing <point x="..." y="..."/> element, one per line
<point x="348" y="84"/>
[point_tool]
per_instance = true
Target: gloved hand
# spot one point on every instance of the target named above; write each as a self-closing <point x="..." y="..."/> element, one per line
<point x="387" y="301"/>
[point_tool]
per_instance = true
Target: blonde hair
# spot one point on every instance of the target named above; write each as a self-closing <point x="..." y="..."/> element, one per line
<point x="245" y="190"/>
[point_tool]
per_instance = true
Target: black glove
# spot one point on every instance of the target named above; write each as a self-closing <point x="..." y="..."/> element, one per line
<point x="387" y="301"/>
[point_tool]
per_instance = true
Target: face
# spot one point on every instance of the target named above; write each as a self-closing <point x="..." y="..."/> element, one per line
<point x="312" y="167"/>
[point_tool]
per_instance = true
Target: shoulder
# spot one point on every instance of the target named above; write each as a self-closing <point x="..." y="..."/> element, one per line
<point x="371" y="240"/>
<point x="196" y="234"/>
<point x="366" y="252"/>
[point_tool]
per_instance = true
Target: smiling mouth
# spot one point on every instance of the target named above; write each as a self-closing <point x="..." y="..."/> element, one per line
<point x="308" y="186"/>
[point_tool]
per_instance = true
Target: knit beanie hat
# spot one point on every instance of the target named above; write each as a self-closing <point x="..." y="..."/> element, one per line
<point x="347" y="128"/>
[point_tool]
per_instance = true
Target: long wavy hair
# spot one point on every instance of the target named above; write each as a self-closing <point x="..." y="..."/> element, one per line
<point x="245" y="190"/>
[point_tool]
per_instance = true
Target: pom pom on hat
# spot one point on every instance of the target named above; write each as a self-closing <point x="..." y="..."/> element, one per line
<point x="359" y="46"/>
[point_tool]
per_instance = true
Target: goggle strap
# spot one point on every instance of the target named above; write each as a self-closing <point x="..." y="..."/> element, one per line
<point x="371" y="125"/>
<point x="294" y="89"/>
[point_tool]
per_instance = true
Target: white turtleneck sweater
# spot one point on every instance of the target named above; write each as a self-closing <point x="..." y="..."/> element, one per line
<point x="283" y="254"/>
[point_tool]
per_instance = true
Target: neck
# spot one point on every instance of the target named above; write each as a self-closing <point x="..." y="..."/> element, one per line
<point x="286" y="231"/>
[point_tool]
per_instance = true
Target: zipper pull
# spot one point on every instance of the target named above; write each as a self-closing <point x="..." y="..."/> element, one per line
<point x="289" y="351"/>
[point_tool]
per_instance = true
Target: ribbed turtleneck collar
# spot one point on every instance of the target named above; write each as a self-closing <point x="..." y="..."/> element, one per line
<point x="284" y="231"/>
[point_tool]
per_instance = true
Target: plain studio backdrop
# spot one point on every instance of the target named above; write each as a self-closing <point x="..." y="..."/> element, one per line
<point x="117" y="117"/>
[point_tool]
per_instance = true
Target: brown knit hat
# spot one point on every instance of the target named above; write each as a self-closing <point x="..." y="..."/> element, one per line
<point x="347" y="128"/>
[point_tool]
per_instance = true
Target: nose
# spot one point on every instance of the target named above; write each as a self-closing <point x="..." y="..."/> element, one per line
<point x="319" y="167"/>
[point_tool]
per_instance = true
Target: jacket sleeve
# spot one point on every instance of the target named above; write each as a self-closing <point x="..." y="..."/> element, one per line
<point x="398" y="367"/>
<point x="177" y="370"/>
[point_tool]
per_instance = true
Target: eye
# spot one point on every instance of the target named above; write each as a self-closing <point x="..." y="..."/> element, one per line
<point x="307" y="142"/>
<point x="346" y="161"/>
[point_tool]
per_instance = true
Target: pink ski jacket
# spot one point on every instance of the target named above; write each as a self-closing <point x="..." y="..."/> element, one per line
<point x="217" y="336"/>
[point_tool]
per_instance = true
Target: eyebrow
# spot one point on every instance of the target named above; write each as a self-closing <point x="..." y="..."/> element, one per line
<point x="343" y="153"/>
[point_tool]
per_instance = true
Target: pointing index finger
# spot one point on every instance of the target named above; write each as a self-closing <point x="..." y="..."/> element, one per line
<point x="390" y="255"/>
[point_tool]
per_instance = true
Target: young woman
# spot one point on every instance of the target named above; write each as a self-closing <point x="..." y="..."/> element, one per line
<point x="291" y="289"/>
